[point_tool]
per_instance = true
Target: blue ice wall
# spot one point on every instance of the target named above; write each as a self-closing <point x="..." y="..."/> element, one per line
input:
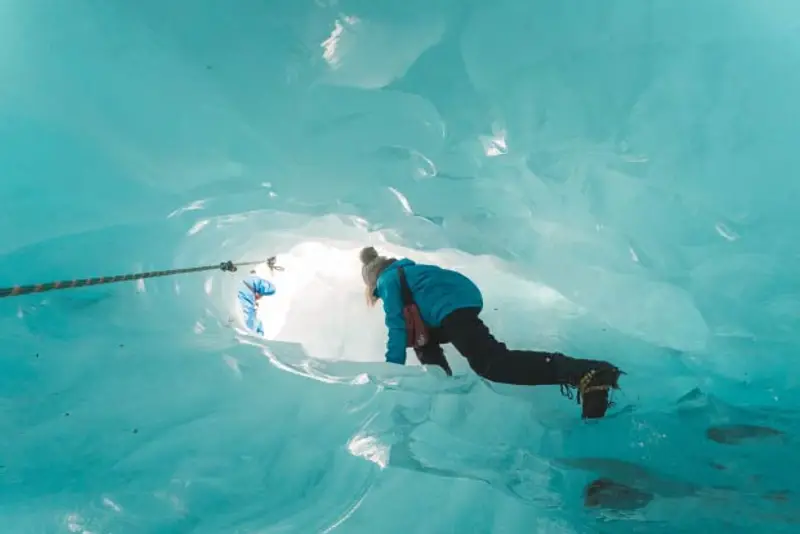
<point x="619" y="176"/>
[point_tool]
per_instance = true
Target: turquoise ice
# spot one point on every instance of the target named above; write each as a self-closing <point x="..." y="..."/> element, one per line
<point x="619" y="176"/>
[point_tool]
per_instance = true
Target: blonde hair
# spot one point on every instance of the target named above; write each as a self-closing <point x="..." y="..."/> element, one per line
<point x="367" y="255"/>
<point x="372" y="265"/>
<point x="369" y="295"/>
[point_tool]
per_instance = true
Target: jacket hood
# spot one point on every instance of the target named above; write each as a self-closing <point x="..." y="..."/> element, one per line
<point x="403" y="262"/>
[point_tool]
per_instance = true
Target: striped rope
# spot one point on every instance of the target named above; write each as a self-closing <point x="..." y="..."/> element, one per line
<point x="226" y="266"/>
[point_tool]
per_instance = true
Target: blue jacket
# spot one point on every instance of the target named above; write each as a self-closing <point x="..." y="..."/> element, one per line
<point x="437" y="292"/>
<point x="256" y="287"/>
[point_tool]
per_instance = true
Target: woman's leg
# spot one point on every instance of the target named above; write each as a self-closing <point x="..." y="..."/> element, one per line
<point x="432" y="354"/>
<point x="492" y="360"/>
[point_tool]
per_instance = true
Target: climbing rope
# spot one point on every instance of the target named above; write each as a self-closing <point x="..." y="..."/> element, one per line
<point x="226" y="266"/>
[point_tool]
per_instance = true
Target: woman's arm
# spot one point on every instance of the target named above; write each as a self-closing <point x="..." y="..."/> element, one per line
<point x="389" y="291"/>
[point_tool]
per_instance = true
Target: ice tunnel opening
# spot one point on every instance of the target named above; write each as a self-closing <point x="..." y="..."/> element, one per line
<point x="616" y="178"/>
<point x="319" y="302"/>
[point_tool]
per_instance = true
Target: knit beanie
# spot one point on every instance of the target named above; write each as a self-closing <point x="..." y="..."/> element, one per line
<point x="372" y="266"/>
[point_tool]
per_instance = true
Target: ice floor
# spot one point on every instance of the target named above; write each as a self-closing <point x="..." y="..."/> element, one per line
<point x="618" y="176"/>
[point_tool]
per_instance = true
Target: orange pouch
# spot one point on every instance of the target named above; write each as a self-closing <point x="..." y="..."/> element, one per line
<point x="417" y="334"/>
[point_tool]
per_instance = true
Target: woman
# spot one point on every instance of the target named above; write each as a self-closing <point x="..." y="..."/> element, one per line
<point x="426" y="306"/>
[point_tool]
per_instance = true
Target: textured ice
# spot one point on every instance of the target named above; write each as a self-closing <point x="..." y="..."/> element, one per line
<point x="618" y="176"/>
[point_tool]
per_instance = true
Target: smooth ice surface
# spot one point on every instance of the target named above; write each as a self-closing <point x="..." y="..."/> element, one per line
<point x="619" y="176"/>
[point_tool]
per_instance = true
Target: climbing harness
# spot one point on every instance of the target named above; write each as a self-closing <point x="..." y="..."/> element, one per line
<point x="225" y="266"/>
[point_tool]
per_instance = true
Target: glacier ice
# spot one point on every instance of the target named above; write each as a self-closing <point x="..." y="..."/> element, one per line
<point x="617" y="176"/>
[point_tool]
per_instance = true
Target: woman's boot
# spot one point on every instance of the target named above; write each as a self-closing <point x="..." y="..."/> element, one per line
<point x="592" y="379"/>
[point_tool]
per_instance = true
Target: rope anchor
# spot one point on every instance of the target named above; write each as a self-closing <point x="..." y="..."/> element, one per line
<point x="225" y="266"/>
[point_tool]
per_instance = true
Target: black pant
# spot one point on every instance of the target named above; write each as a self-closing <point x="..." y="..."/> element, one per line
<point x="490" y="358"/>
